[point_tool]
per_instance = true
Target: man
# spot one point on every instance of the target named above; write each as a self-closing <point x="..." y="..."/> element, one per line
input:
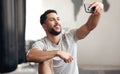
<point x="57" y="53"/>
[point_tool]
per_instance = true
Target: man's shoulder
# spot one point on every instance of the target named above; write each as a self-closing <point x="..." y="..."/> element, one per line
<point x="70" y="35"/>
<point x="70" y="31"/>
<point x="42" y="40"/>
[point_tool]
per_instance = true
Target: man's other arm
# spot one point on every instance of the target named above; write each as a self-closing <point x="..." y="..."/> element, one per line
<point x="92" y="22"/>
<point x="37" y="55"/>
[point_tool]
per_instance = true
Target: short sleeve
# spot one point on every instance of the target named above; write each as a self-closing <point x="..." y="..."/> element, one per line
<point x="39" y="45"/>
<point x="71" y="35"/>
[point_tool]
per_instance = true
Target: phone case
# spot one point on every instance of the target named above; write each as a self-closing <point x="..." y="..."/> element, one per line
<point x="87" y="10"/>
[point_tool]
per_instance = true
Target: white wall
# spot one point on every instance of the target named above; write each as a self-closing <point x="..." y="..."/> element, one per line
<point x="33" y="28"/>
<point x="98" y="49"/>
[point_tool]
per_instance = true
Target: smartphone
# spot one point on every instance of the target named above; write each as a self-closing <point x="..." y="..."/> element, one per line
<point x="87" y="10"/>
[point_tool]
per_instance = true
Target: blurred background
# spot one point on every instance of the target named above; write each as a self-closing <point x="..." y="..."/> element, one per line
<point x="98" y="53"/>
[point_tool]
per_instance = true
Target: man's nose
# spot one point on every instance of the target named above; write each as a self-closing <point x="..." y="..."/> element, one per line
<point x="56" y="21"/>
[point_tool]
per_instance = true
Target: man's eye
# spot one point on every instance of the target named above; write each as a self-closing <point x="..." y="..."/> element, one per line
<point x="51" y="19"/>
<point x="58" y="19"/>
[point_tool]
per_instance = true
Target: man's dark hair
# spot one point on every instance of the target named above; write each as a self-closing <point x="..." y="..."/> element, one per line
<point x="43" y="17"/>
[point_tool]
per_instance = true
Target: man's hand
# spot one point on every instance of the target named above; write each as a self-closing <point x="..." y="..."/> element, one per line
<point x="98" y="7"/>
<point x="67" y="57"/>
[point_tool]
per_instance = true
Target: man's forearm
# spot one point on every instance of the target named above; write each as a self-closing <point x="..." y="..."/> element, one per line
<point x="84" y="30"/>
<point x="92" y="21"/>
<point x="35" y="55"/>
<point x="95" y="16"/>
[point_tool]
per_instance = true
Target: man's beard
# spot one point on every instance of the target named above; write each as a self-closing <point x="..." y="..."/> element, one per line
<point x="53" y="32"/>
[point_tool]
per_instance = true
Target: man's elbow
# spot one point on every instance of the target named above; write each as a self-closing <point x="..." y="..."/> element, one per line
<point x="32" y="57"/>
<point x="28" y="57"/>
<point x="82" y="37"/>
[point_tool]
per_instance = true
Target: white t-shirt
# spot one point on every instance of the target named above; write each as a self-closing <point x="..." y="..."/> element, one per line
<point x="68" y="43"/>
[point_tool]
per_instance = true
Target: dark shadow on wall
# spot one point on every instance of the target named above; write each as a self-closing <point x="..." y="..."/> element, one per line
<point x="78" y="3"/>
<point x="106" y="5"/>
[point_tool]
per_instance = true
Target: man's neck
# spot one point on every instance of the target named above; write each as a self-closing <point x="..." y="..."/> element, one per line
<point x="54" y="39"/>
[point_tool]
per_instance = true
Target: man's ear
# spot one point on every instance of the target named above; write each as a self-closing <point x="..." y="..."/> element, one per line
<point x="44" y="26"/>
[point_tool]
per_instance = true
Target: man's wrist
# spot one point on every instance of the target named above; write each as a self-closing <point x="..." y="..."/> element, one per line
<point x="58" y="52"/>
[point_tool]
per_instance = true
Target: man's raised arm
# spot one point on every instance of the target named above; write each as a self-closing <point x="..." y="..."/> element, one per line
<point x="92" y="22"/>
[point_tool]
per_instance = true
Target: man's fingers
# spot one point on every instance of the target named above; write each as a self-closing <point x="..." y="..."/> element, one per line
<point x="98" y="7"/>
<point x="70" y="59"/>
<point x="94" y="4"/>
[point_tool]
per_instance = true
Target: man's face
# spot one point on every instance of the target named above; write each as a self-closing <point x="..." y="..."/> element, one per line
<point x="53" y="24"/>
